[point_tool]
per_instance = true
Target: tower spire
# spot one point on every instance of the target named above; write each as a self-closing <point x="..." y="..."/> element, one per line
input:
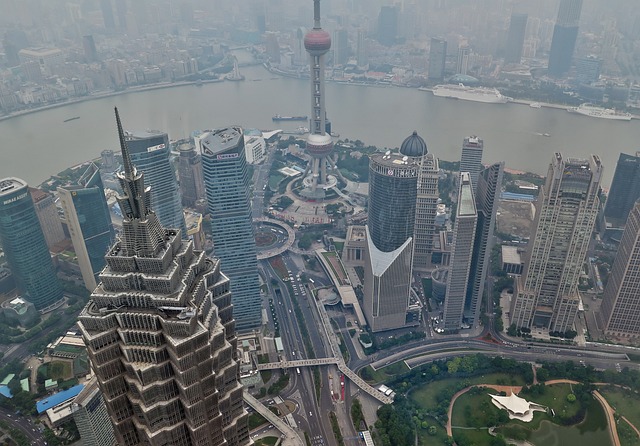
<point x="316" y="14"/>
<point x="129" y="170"/>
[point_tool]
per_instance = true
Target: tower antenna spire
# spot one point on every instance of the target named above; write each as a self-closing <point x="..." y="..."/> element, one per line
<point x="126" y="157"/>
<point x="316" y="14"/>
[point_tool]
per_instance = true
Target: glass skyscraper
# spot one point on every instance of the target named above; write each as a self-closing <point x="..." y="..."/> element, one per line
<point x="620" y="309"/>
<point x="89" y="223"/>
<point x="515" y="38"/>
<point x="625" y="189"/>
<point x="227" y="186"/>
<point x="471" y="159"/>
<point x="150" y="152"/>
<point x="461" y="254"/>
<point x="393" y="194"/>
<point x="25" y="247"/>
<point x="565" y="34"/>
<point x="437" y="59"/>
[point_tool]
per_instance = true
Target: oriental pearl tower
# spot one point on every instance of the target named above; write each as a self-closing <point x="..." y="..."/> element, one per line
<point x="317" y="42"/>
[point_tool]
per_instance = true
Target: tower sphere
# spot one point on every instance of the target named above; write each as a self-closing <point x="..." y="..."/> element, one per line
<point x="317" y="42"/>
<point x="414" y="146"/>
<point x="319" y="145"/>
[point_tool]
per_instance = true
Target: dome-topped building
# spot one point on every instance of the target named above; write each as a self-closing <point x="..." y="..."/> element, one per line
<point x="414" y="146"/>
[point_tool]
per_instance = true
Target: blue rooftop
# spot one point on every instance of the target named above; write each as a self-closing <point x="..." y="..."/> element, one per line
<point x="58" y="398"/>
<point x="4" y="391"/>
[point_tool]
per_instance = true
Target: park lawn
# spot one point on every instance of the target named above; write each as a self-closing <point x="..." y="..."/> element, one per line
<point x="473" y="436"/>
<point x="386" y="372"/>
<point x="256" y="420"/>
<point x="555" y="397"/>
<point x="475" y="402"/>
<point x="266" y="441"/>
<point x="625" y="402"/>
<point x="424" y="439"/>
<point x="474" y="409"/>
<point x="426" y="395"/>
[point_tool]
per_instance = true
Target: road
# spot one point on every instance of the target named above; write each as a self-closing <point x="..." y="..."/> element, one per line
<point x="260" y="182"/>
<point x="309" y="416"/>
<point x="23" y="424"/>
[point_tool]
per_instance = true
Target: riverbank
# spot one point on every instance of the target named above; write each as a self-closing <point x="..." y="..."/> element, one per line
<point x="107" y="94"/>
<point x="270" y="69"/>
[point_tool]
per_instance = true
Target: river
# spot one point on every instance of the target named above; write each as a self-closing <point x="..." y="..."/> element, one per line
<point x="37" y="145"/>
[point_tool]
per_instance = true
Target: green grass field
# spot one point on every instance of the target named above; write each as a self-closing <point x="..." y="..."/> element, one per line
<point x="383" y="374"/>
<point x="626" y="404"/>
<point x="426" y="395"/>
<point x="266" y="441"/>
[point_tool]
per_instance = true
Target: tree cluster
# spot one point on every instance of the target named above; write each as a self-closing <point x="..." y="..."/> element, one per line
<point x="397" y="424"/>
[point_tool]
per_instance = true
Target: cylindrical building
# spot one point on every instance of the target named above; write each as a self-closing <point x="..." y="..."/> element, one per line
<point x="392" y="199"/>
<point x="25" y="247"/>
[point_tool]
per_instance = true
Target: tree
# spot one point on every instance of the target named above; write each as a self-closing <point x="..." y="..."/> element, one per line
<point x="433" y="430"/>
<point x="571" y="398"/>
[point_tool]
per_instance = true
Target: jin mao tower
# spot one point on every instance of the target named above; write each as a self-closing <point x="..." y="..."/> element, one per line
<point x="160" y="333"/>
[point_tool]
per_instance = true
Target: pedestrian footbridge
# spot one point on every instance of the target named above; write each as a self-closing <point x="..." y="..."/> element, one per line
<point x="362" y="384"/>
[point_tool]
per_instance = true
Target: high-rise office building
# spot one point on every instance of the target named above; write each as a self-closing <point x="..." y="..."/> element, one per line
<point x="107" y="14"/>
<point x="89" y="47"/>
<point x="625" y="189"/>
<point x="89" y="223"/>
<point x="191" y="179"/>
<point x="362" y="49"/>
<point x="393" y="191"/>
<point x="487" y="194"/>
<point x="319" y="145"/>
<point x="47" y="212"/>
<point x="515" y="38"/>
<point x="388" y="25"/>
<point x="461" y="254"/>
<point x="341" y="48"/>
<point x="91" y="417"/>
<point x="462" y="64"/>
<point x="588" y="70"/>
<point x="437" y="59"/>
<point x="547" y="294"/>
<point x="620" y="309"/>
<point x="227" y="187"/>
<point x="160" y="335"/>
<point x="150" y="152"/>
<point x="471" y="158"/>
<point x="565" y="34"/>
<point x="426" y="199"/>
<point x="25" y="248"/>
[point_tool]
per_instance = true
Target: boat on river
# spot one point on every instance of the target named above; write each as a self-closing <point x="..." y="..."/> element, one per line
<point x="288" y="118"/>
<point x="476" y="94"/>
<point x="594" y="111"/>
